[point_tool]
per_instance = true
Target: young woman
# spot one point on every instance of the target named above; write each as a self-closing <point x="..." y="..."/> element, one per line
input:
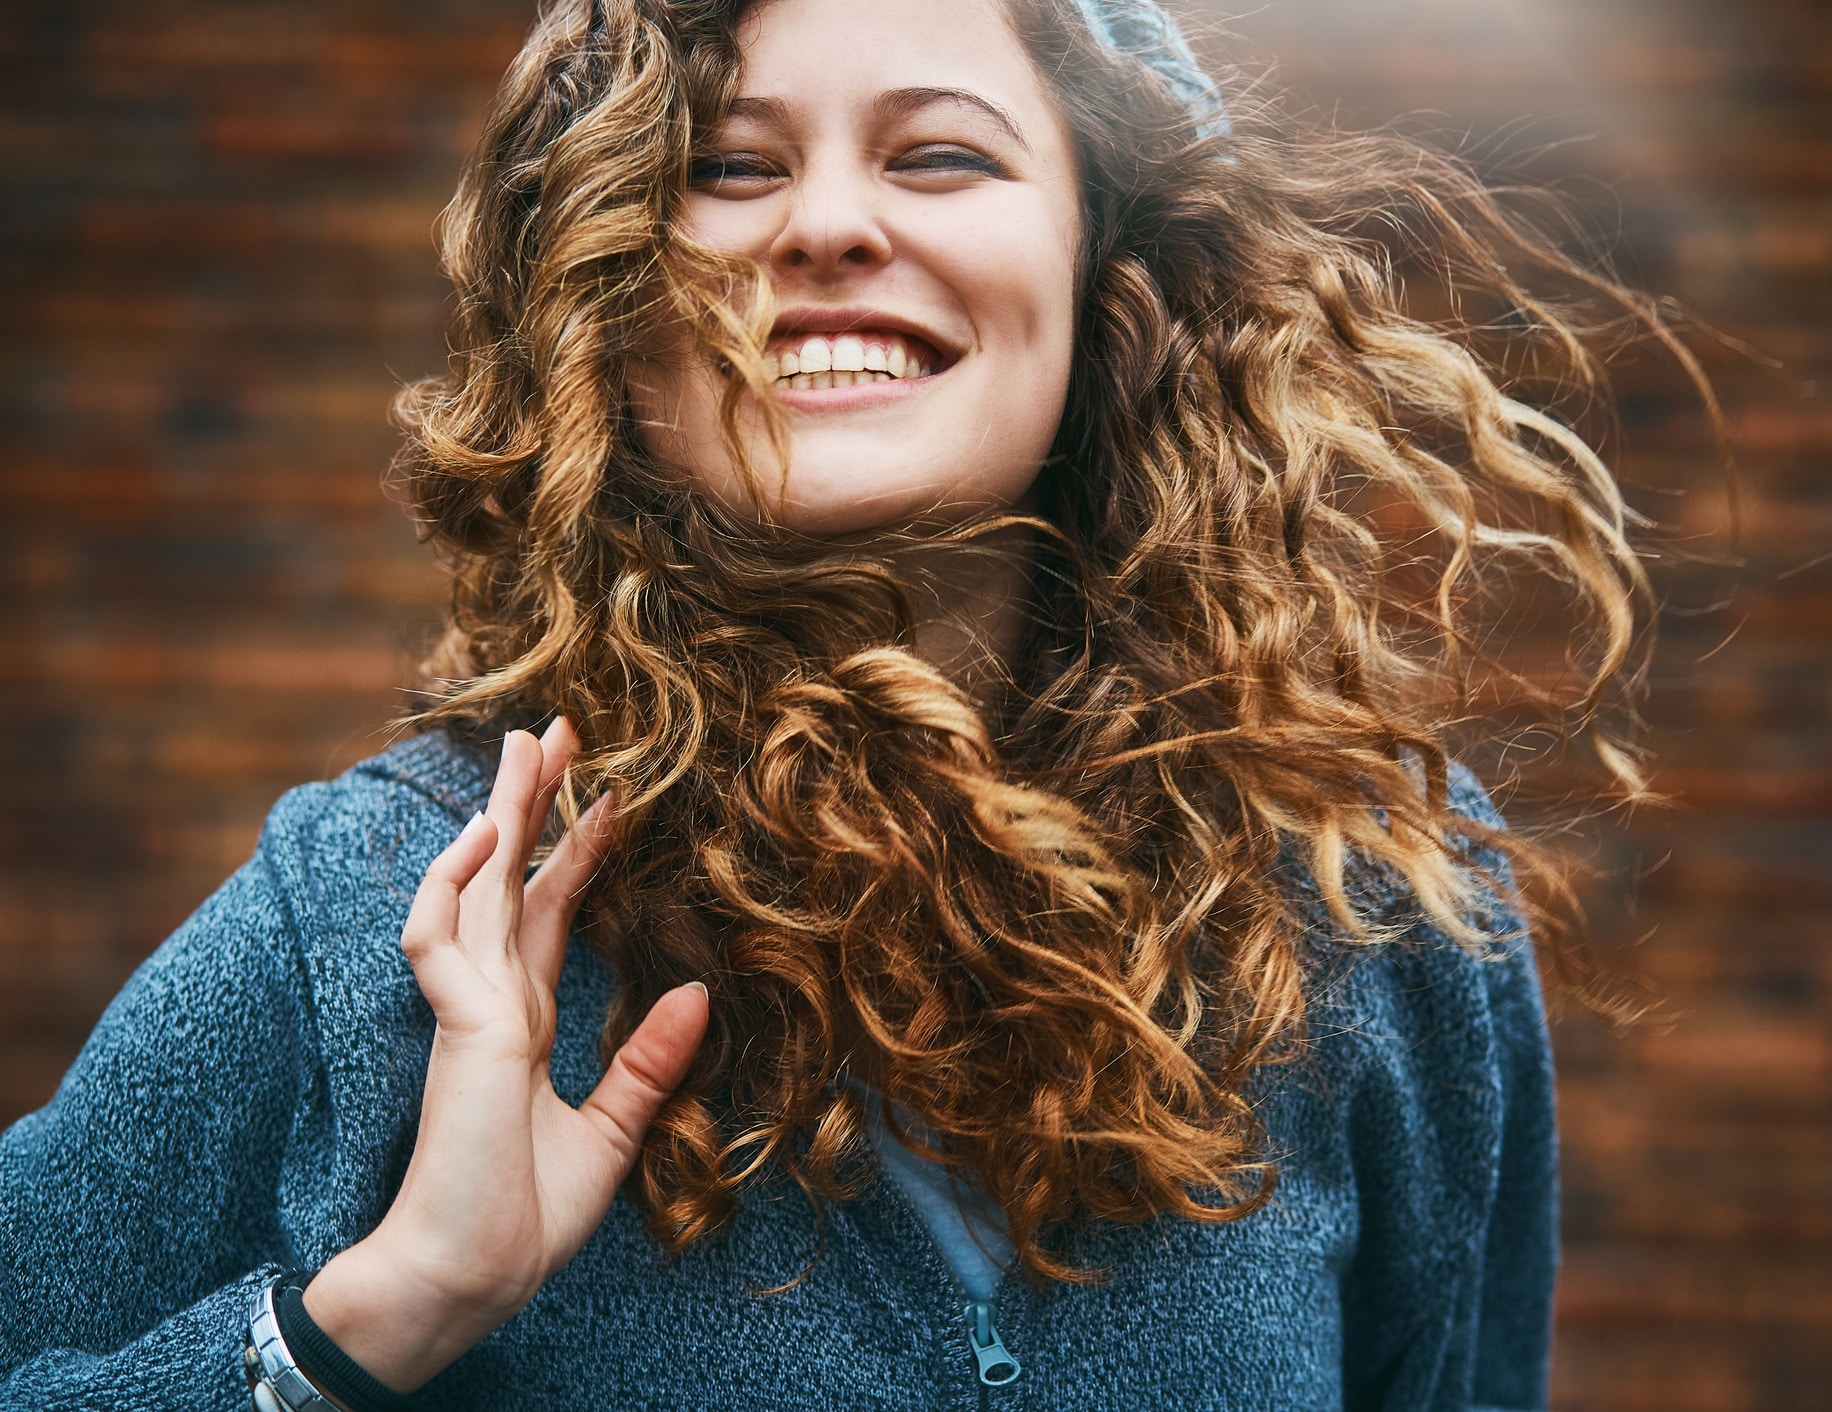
<point x="987" y="542"/>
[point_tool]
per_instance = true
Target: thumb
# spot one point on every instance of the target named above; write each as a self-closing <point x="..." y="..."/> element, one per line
<point x="647" y="1069"/>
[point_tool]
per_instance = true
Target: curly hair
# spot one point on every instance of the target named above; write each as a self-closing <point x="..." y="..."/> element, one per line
<point x="1055" y="922"/>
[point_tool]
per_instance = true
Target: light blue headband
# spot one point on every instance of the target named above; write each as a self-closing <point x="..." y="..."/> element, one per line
<point x="1142" y="29"/>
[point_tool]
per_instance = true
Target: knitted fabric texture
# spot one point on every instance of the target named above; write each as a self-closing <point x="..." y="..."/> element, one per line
<point x="250" y="1100"/>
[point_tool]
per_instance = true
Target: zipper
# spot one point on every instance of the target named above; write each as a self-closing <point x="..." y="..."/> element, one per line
<point x="992" y="1360"/>
<point x="996" y="1365"/>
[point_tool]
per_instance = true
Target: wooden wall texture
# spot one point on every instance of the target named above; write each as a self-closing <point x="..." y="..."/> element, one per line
<point x="215" y="262"/>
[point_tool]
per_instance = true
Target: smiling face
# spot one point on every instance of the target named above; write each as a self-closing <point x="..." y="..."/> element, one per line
<point x="900" y="173"/>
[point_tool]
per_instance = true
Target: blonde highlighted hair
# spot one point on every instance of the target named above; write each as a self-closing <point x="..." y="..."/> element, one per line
<point x="1055" y="922"/>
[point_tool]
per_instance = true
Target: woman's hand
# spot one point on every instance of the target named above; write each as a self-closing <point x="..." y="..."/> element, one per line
<point x="507" y="1180"/>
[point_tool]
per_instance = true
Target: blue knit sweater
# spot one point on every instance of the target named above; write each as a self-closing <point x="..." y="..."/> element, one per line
<point x="250" y="1099"/>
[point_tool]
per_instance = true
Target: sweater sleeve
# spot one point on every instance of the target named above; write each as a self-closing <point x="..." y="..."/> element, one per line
<point x="1514" y="1309"/>
<point x="1513" y="1314"/>
<point x="138" y="1207"/>
<point x="1448" y="1299"/>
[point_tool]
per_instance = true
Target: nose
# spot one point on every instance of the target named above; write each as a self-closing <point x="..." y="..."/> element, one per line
<point x="834" y="226"/>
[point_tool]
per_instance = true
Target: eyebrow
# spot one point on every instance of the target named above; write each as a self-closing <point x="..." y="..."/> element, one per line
<point x="894" y="104"/>
<point x="901" y="102"/>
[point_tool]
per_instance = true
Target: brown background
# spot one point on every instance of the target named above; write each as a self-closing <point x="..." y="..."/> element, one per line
<point x="214" y="263"/>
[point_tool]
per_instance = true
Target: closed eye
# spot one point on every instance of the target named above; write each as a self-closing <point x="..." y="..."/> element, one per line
<point x="725" y="169"/>
<point x="948" y="157"/>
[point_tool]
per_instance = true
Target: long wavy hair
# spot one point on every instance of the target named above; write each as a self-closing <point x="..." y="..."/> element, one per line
<point x="1055" y="924"/>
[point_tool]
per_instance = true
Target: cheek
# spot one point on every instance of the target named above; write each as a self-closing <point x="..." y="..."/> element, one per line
<point x="1024" y="279"/>
<point x="676" y="406"/>
<point x="1028" y="258"/>
<point x="742" y="227"/>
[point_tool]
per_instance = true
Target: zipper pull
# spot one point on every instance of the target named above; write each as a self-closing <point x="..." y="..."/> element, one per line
<point x="997" y="1366"/>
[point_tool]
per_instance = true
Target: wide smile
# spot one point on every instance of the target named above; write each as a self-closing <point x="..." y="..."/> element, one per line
<point x="822" y="362"/>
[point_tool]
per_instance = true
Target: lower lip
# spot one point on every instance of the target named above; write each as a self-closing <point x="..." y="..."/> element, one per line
<point x="847" y="399"/>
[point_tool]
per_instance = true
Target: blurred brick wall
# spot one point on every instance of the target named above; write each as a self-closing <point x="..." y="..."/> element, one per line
<point x="215" y="261"/>
<point x="216" y="254"/>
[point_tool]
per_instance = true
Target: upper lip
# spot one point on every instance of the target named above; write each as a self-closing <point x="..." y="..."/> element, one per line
<point x="839" y="318"/>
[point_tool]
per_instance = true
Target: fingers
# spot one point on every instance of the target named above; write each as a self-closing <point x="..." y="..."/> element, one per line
<point x="559" y="743"/>
<point x="553" y="895"/>
<point x="430" y="937"/>
<point x="527" y="779"/>
<point x="647" y="1069"/>
<point x="472" y="896"/>
<point x="512" y="797"/>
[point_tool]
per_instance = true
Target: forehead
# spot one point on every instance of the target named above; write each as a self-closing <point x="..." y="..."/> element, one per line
<point x="807" y="53"/>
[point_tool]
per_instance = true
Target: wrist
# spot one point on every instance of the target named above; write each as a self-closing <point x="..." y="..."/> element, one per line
<point x="395" y="1322"/>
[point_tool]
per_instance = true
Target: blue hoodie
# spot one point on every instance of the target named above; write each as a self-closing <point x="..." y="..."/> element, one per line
<point x="250" y="1100"/>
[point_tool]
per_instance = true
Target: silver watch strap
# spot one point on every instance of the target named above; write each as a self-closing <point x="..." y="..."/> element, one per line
<point x="276" y="1384"/>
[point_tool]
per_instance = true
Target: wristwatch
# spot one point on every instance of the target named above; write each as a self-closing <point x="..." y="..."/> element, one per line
<point x="274" y="1380"/>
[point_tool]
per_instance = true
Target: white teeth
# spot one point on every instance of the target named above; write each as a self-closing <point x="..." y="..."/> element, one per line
<point x="845" y="361"/>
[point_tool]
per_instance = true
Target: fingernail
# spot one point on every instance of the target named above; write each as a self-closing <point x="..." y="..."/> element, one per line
<point x="701" y="987"/>
<point x="554" y="725"/>
<point x="475" y="823"/>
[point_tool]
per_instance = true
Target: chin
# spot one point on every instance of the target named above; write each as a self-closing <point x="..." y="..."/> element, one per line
<point x="832" y="503"/>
